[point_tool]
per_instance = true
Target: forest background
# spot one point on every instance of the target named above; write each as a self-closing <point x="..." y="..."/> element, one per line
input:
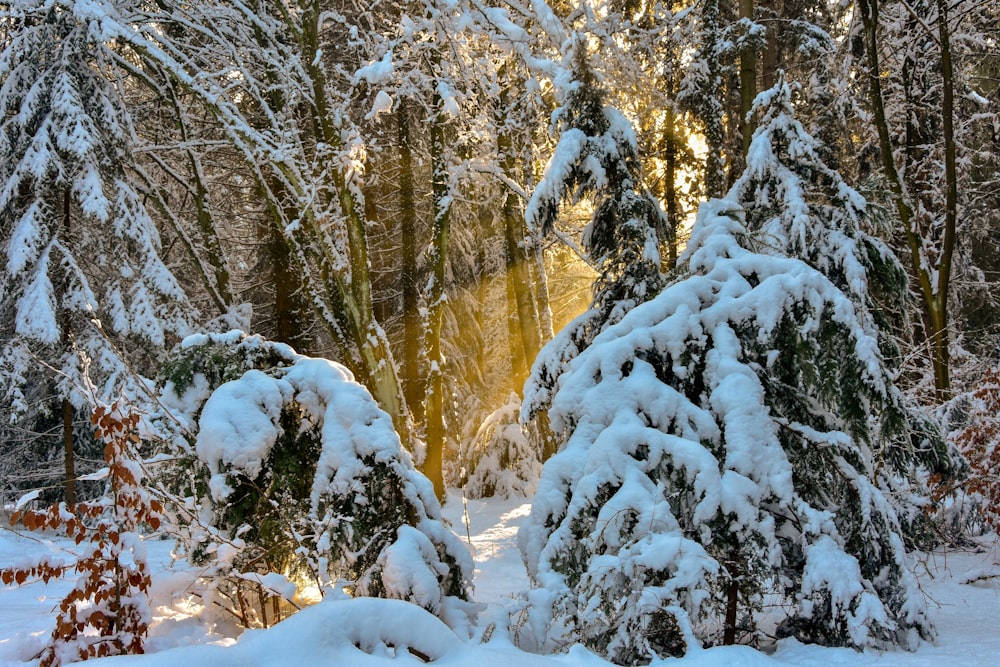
<point x="375" y="183"/>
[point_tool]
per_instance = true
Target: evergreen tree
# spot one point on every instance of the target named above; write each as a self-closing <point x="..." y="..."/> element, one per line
<point x="727" y="439"/>
<point x="596" y="157"/>
<point x="83" y="282"/>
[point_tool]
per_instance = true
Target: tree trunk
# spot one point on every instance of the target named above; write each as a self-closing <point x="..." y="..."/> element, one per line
<point x="515" y="343"/>
<point x="670" y="170"/>
<point x="69" y="463"/>
<point x="748" y="81"/>
<point x="525" y="326"/>
<point x="69" y="452"/>
<point x="436" y="299"/>
<point x="413" y="385"/>
<point x="715" y="134"/>
<point x="932" y="277"/>
<point x="942" y="359"/>
<point x="220" y="293"/>
<point x="771" y="57"/>
<point x="288" y="320"/>
<point x="732" y="605"/>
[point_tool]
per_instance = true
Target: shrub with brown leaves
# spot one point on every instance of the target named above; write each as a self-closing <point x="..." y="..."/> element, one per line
<point x="111" y="594"/>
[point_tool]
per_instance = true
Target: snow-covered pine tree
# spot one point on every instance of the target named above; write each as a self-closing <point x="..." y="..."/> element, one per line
<point x="805" y="210"/>
<point x="596" y="157"/>
<point x="79" y="245"/>
<point x="724" y="440"/>
<point x="501" y="459"/>
<point x="290" y="468"/>
<point x="802" y="208"/>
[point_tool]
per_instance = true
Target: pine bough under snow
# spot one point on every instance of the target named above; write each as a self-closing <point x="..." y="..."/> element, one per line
<point x="723" y="440"/>
<point x="79" y="243"/>
<point x="296" y="459"/>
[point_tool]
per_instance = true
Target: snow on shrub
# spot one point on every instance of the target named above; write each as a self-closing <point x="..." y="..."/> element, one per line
<point x="977" y="499"/>
<point x="296" y="471"/>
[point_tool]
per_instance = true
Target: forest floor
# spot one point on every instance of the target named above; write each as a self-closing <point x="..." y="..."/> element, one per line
<point x="962" y="587"/>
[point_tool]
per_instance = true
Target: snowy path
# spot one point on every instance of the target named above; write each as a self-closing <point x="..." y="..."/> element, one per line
<point x="967" y="616"/>
<point x="493" y="527"/>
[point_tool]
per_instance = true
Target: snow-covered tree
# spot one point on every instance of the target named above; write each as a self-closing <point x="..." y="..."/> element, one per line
<point x="293" y="470"/>
<point x="730" y="437"/>
<point x="596" y="157"/>
<point x="501" y="460"/>
<point x="83" y="275"/>
<point x="804" y="209"/>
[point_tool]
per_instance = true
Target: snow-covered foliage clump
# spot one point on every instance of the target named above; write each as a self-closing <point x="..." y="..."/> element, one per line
<point x="296" y="471"/>
<point x="501" y="460"/>
<point x="726" y="440"/>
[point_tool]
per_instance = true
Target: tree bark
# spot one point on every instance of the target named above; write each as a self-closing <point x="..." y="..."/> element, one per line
<point x="413" y="384"/>
<point x="715" y="134"/>
<point x="524" y="329"/>
<point x="942" y="359"/>
<point x="436" y="299"/>
<point x="69" y="452"/>
<point x="732" y="605"/>
<point x="69" y="462"/>
<point x="670" y="170"/>
<point x="748" y="80"/>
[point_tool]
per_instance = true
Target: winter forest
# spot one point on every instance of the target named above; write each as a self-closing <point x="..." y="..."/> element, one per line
<point x="693" y="305"/>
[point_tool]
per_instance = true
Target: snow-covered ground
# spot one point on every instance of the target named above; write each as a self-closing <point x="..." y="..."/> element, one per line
<point x="369" y="632"/>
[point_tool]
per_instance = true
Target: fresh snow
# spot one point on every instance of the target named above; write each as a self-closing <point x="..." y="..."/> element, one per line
<point x="369" y="632"/>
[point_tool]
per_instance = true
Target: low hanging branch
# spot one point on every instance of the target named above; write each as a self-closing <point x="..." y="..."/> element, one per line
<point x="111" y="596"/>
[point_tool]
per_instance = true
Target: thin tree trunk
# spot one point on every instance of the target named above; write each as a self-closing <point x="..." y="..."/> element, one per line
<point x="69" y="452"/>
<point x="670" y="169"/>
<point x="525" y="325"/>
<point x="732" y="605"/>
<point x="748" y="81"/>
<point x="515" y="343"/>
<point x="69" y="463"/>
<point x="942" y="360"/>
<point x="715" y="134"/>
<point x="771" y="57"/>
<point x="288" y="321"/>
<point x="540" y="280"/>
<point x="932" y="281"/>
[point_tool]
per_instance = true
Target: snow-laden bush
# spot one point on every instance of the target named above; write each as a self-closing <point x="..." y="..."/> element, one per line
<point x="296" y="472"/>
<point x="501" y="460"/>
<point x="733" y="436"/>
